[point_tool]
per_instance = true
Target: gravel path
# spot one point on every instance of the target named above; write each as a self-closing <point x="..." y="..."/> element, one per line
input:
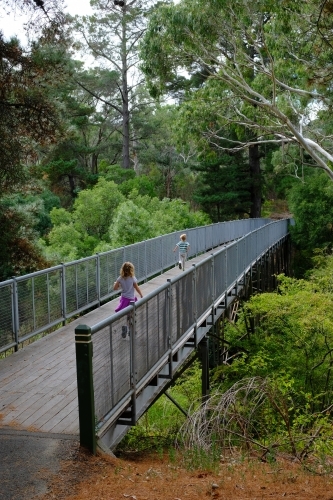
<point x="30" y="460"/>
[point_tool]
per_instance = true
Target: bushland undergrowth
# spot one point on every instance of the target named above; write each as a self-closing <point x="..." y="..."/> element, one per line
<point x="276" y="396"/>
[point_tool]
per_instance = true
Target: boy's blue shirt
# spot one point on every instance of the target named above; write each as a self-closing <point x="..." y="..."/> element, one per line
<point x="182" y="245"/>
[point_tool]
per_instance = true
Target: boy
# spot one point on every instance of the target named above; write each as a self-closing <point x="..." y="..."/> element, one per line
<point x="183" y="247"/>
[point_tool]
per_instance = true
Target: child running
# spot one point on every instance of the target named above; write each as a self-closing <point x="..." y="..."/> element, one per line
<point x="183" y="247"/>
<point x="128" y="283"/>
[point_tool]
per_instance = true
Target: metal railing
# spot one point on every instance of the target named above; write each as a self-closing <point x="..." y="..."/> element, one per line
<point x="132" y="346"/>
<point x="40" y="301"/>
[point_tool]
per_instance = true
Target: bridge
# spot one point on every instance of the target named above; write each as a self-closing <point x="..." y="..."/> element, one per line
<point x="99" y="382"/>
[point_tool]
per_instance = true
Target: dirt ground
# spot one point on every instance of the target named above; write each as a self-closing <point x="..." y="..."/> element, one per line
<point x="155" y="477"/>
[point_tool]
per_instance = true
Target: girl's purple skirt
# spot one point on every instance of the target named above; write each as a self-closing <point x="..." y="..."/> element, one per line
<point x="124" y="302"/>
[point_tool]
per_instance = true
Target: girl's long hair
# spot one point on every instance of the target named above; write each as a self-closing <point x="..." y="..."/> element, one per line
<point x="127" y="269"/>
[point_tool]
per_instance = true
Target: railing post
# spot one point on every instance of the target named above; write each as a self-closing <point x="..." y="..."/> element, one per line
<point x="169" y="327"/>
<point x="133" y="369"/>
<point x="85" y="387"/>
<point x="237" y="267"/>
<point x="213" y="293"/>
<point x="98" y="278"/>
<point x="226" y="278"/>
<point x="63" y="293"/>
<point x="194" y="298"/>
<point x="212" y="266"/>
<point x="16" y="317"/>
<point x="203" y="351"/>
<point x="146" y="272"/>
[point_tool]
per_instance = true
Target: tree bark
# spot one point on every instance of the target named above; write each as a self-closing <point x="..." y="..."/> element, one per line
<point x="125" y="113"/>
<point x="255" y="174"/>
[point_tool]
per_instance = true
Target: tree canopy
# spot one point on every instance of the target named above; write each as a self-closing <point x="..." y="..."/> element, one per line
<point x="267" y="66"/>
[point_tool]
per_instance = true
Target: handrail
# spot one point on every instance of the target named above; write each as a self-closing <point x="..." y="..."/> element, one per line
<point x="38" y="302"/>
<point x="160" y="325"/>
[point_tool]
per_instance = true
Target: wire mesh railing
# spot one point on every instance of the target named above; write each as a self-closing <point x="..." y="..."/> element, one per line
<point x="132" y="345"/>
<point x="40" y="301"/>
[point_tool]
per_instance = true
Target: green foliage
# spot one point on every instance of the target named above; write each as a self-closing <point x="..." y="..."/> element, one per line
<point x="311" y="205"/>
<point x="116" y="173"/>
<point x="142" y="184"/>
<point x="265" y="64"/>
<point x="292" y="341"/>
<point x="174" y="215"/>
<point x="60" y="216"/>
<point x="312" y="208"/>
<point x="322" y="274"/>
<point x="257" y="415"/>
<point x="131" y="224"/>
<point x="19" y="253"/>
<point x="159" y="426"/>
<point x="29" y="114"/>
<point x="103" y="219"/>
<point x="77" y="234"/>
<point x="223" y="190"/>
<point x="64" y="243"/>
<point x="94" y="209"/>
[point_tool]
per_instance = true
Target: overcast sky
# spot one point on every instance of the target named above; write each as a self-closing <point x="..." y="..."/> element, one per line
<point x="12" y="24"/>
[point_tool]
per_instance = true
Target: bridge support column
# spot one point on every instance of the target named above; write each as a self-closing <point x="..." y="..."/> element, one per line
<point x="85" y="389"/>
<point x="203" y="353"/>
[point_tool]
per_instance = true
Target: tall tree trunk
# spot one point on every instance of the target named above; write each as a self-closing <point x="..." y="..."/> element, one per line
<point x="125" y="113"/>
<point x="72" y="185"/>
<point x="94" y="159"/>
<point x="255" y="174"/>
<point x="254" y="164"/>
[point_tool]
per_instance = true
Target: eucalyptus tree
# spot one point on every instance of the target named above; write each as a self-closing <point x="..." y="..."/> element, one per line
<point x="269" y="66"/>
<point x="112" y="35"/>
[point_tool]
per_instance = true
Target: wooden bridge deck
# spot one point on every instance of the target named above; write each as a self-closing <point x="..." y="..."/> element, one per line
<point x="38" y="389"/>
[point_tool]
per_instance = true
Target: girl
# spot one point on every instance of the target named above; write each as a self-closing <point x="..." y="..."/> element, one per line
<point x="128" y="283"/>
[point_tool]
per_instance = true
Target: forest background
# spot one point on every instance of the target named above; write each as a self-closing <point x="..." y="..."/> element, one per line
<point x="160" y="133"/>
<point x="187" y="114"/>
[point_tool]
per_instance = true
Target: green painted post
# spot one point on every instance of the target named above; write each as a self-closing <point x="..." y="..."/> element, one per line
<point x="203" y="351"/>
<point x="85" y="389"/>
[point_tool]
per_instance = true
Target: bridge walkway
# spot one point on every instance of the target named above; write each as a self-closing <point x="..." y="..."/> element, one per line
<point x="38" y="385"/>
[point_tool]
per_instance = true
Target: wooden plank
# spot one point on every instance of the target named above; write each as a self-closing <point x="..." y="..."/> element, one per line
<point x="38" y="387"/>
<point x="57" y="420"/>
<point x="70" y="425"/>
<point x="40" y="407"/>
<point x="14" y="411"/>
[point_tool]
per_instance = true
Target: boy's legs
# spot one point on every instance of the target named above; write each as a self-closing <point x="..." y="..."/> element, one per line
<point x="182" y="259"/>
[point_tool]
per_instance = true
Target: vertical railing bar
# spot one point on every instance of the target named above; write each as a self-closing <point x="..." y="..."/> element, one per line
<point x="169" y="331"/>
<point x="147" y="334"/>
<point x="33" y="301"/>
<point x="63" y="293"/>
<point x="76" y="287"/>
<point x="237" y="266"/>
<point x="158" y="326"/>
<point x="146" y="271"/>
<point x="111" y="367"/>
<point x="48" y="297"/>
<point x="195" y="308"/>
<point x="133" y="362"/>
<point x="98" y="279"/>
<point x="16" y="314"/>
<point x="226" y="277"/>
<point x="87" y="281"/>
